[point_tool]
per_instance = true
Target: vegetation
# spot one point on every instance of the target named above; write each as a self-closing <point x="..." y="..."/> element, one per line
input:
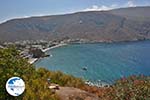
<point x="11" y="64"/>
<point x="128" y="24"/>
<point x="131" y="88"/>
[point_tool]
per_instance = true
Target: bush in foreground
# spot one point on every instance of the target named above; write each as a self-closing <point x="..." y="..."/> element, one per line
<point x="11" y="64"/>
<point x="131" y="88"/>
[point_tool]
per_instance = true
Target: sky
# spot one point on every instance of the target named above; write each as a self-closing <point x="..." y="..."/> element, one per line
<point x="10" y="9"/>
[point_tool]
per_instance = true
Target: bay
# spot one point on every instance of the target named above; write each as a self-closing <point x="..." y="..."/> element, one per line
<point x="105" y="62"/>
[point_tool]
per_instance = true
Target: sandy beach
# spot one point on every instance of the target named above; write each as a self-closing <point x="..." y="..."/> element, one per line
<point x="59" y="45"/>
<point x="33" y="60"/>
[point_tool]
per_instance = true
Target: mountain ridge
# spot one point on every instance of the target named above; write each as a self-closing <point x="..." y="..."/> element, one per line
<point x="113" y="25"/>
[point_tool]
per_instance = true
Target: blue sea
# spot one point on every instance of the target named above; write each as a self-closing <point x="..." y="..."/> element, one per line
<point x="105" y="62"/>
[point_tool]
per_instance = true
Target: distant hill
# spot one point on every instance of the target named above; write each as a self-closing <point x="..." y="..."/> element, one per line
<point x="134" y="13"/>
<point x="125" y="24"/>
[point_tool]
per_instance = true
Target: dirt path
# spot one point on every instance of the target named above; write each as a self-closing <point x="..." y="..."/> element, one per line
<point x="70" y="93"/>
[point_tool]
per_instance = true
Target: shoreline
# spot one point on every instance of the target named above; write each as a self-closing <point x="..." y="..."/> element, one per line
<point x="53" y="47"/>
<point x="33" y="60"/>
<point x="97" y="84"/>
<point x="109" y="42"/>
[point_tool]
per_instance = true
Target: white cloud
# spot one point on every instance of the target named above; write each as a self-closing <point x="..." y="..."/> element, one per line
<point x="130" y="3"/>
<point x="99" y="8"/>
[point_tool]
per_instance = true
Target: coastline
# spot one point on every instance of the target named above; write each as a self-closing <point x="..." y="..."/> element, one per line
<point x="99" y="83"/>
<point x="33" y="60"/>
<point x="53" y="47"/>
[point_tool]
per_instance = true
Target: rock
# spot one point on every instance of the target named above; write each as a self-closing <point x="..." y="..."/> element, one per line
<point x="70" y="93"/>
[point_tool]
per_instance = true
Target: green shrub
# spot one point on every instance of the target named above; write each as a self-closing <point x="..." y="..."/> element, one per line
<point x="131" y="88"/>
<point x="11" y="64"/>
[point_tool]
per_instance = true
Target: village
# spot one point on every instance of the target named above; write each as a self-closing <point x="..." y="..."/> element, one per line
<point x="34" y="50"/>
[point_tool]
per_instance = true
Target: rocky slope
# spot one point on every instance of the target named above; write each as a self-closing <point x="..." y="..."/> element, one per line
<point x="125" y="24"/>
<point x="70" y="93"/>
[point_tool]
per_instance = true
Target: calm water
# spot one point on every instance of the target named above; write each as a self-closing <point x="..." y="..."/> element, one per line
<point x="105" y="62"/>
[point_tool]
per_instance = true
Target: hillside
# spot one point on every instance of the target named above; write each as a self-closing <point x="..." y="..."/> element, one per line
<point x="70" y="93"/>
<point x="134" y="13"/>
<point x="70" y="88"/>
<point x="125" y="24"/>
